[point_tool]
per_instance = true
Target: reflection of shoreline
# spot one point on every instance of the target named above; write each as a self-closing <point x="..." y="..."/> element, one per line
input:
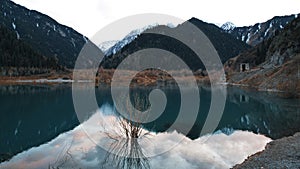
<point x="267" y="113"/>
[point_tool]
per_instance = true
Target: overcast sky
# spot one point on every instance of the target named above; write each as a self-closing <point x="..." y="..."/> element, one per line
<point x="89" y="16"/>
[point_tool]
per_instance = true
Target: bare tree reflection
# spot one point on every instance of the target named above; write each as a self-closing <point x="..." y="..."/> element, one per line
<point x="64" y="158"/>
<point x="126" y="154"/>
<point x="125" y="151"/>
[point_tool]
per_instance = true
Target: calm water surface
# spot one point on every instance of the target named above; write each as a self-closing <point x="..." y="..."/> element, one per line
<point x="33" y="115"/>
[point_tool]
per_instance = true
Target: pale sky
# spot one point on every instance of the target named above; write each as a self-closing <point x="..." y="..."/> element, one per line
<point x="89" y="16"/>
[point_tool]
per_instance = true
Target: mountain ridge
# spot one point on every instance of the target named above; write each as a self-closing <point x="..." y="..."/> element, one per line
<point x="258" y="32"/>
<point x="226" y="45"/>
<point x="42" y="33"/>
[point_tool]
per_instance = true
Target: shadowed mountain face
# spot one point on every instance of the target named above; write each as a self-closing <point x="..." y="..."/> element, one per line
<point x="226" y="45"/>
<point x="18" y="58"/>
<point x="255" y="34"/>
<point x="42" y="33"/>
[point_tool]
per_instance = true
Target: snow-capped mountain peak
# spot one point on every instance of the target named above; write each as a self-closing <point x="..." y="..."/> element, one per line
<point x="112" y="47"/>
<point x="258" y="32"/>
<point x="228" y="26"/>
<point x="105" y="46"/>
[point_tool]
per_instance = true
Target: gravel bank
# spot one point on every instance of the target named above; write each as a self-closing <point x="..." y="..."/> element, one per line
<point x="283" y="153"/>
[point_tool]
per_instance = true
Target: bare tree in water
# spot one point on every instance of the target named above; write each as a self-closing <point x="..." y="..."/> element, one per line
<point x="64" y="158"/>
<point x="124" y="151"/>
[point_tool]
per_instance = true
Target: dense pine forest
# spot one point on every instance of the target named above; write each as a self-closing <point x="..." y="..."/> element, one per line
<point x="19" y="59"/>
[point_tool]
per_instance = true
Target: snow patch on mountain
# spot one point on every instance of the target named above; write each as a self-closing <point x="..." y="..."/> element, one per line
<point x="248" y="37"/>
<point x="73" y="42"/>
<point x="105" y="46"/>
<point x="18" y="35"/>
<point x="271" y="25"/>
<point x="14" y="26"/>
<point x="127" y="39"/>
<point x="62" y="33"/>
<point x="281" y="27"/>
<point x="85" y="38"/>
<point x="255" y="34"/>
<point x="243" y="38"/>
<point x="113" y="46"/>
<point x="228" y="26"/>
<point x="171" y="25"/>
<point x="266" y="32"/>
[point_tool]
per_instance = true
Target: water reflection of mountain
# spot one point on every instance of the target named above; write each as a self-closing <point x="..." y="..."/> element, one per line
<point x="263" y="112"/>
<point x="32" y="115"/>
<point x="260" y="112"/>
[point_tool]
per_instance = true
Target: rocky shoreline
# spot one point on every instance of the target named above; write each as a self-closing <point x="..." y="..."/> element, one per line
<point x="283" y="153"/>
